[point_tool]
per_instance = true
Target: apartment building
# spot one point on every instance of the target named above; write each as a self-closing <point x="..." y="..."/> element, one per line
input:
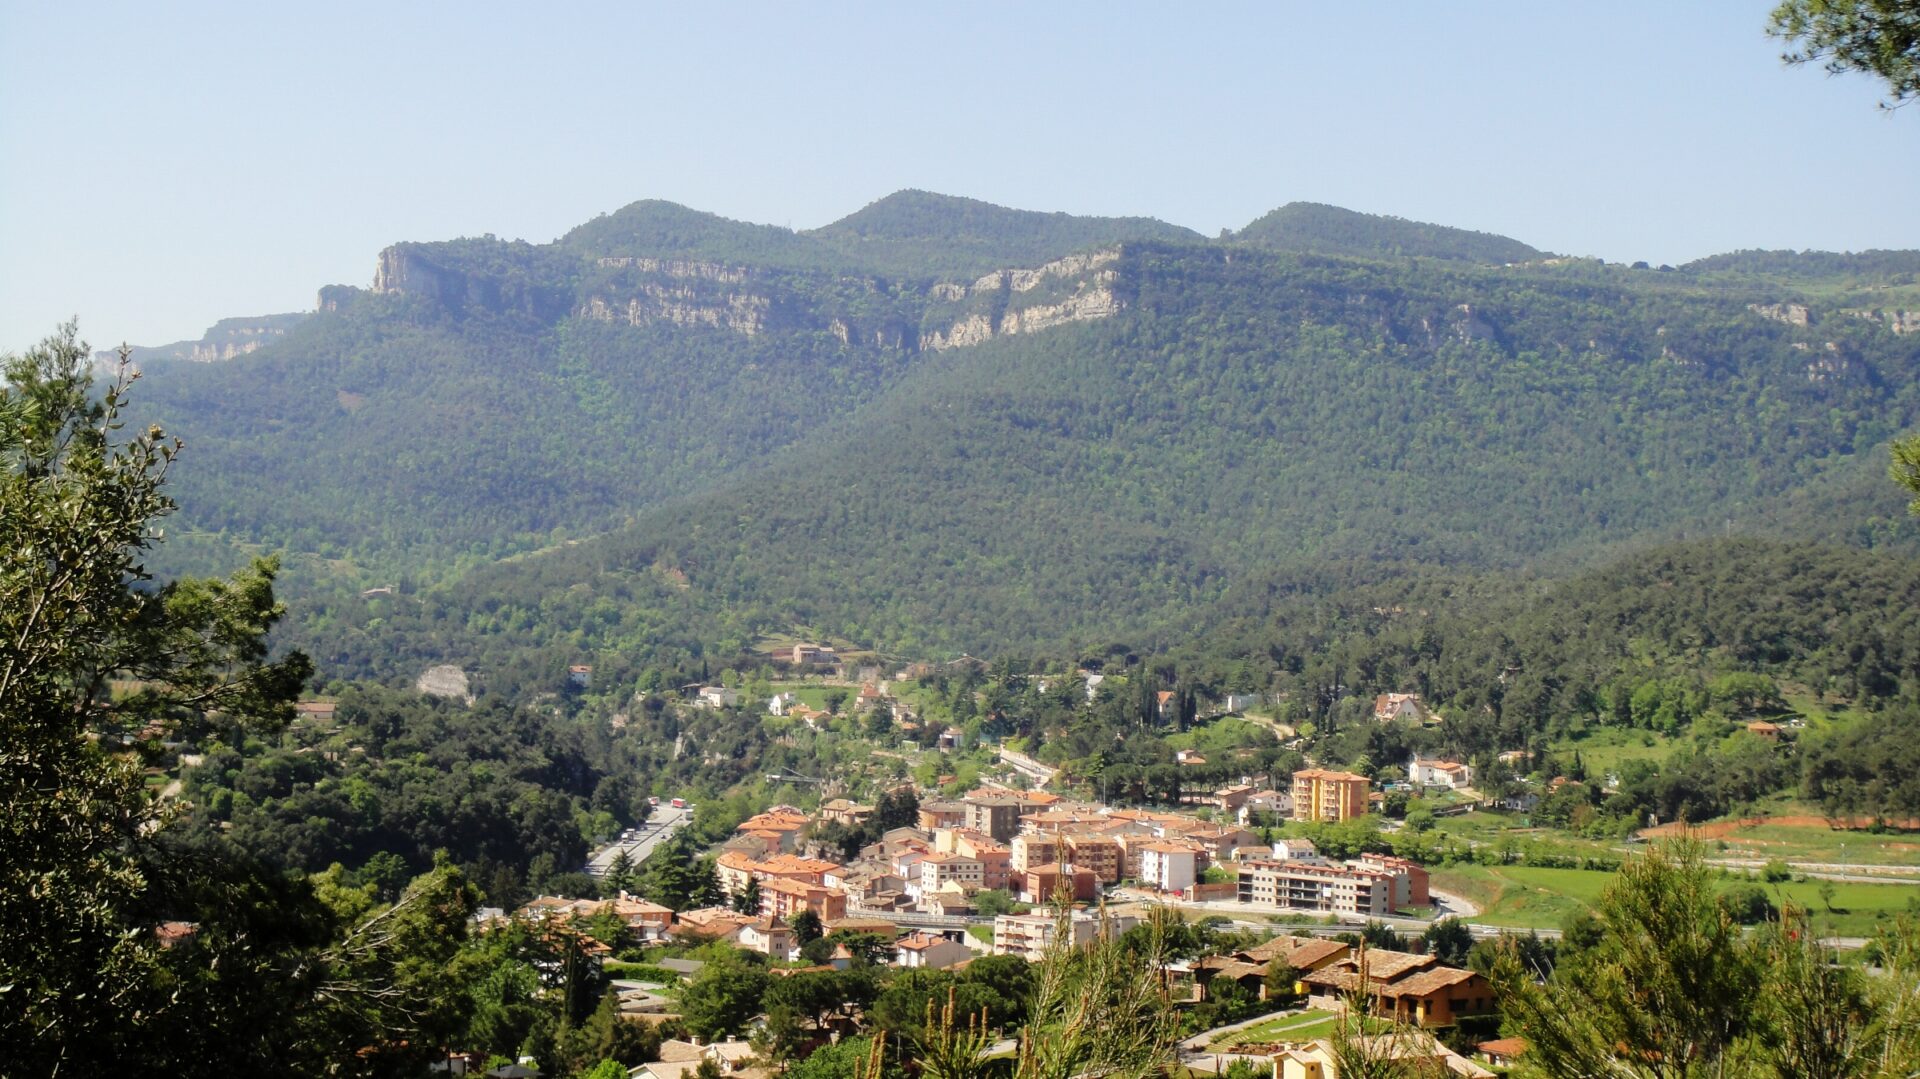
<point x="1323" y="795"/>
<point x="1028" y="935"/>
<point x="937" y="869"/>
<point x="1099" y="853"/>
<point x="1029" y="850"/>
<point x="1328" y="889"/>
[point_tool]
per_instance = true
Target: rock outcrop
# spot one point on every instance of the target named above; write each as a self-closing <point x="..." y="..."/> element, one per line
<point x="1793" y="314"/>
<point x="1006" y="300"/>
<point x="742" y="312"/>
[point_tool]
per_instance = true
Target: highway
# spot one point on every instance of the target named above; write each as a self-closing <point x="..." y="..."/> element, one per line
<point x="640" y="842"/>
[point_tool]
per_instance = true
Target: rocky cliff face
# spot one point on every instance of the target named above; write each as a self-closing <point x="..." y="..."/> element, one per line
<point x="228" y="339"/>
<point x="1078" y="288"/>
<point x="743" y="313"/>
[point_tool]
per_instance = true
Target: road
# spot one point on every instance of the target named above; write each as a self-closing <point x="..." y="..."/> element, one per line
<point x="640" y="842"/>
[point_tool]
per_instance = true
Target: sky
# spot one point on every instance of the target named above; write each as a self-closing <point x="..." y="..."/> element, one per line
<point x="164" y="166"/>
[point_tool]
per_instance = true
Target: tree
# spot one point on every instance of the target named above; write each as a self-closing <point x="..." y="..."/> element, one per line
<point x="1449" y="939"/>
<point x="723" y="996"/>
<point x="806" y="927"/>
<point x="88" y="872"/>
<point x="747" y="899"/>
<point x="620" y="871"/>
<point x="1666" y="989"/>
<point x="1878" y="37"/>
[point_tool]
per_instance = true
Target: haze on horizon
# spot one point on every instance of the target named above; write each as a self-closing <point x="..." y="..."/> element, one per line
<point x="171" y="170"/>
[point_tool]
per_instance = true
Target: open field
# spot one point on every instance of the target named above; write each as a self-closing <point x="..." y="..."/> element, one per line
<point x="1606" y="749"/>
<point x="1523" y="897"/>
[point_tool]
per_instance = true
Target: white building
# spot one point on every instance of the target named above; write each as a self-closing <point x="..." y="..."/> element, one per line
<point x="924" y="950"/>
<point x="1170" y="867"/>
<point x="719" y="696"/>
<point x="1432" y="772"/>
<point x="1027" y="935"/>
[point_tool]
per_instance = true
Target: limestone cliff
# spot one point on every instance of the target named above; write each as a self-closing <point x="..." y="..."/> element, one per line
<point x="228" y="339"/>
<point x="1078" y="288"/>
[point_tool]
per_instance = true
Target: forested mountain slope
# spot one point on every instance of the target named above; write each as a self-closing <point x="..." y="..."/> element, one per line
<point x="1099" y="437"/>
<point x="1246" y="410"/>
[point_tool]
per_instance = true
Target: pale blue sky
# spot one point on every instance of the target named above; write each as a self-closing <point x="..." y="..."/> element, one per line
<point x="167" y="165"/>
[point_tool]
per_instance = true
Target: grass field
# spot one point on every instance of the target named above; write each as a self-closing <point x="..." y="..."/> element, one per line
<point x="1291" y="1027"/>
<point x="1606" y="749"/>
<point x="1523" y="897"/>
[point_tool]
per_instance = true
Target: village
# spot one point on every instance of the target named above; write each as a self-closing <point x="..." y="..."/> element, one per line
<point x="1004" y="869"/>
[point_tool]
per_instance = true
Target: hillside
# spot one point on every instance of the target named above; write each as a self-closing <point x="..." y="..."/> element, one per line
<point x="1329" y="230"/>
<point x="1114" y="477"/>
<point x="1090" y="443"/>
<point x="913" y="233"/>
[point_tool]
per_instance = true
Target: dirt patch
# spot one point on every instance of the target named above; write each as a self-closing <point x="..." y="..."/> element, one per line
<point x="1721" y="829"/>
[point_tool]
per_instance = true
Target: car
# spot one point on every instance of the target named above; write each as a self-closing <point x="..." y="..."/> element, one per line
<point x="653" y="801"/>
<point x="679" y="803"/>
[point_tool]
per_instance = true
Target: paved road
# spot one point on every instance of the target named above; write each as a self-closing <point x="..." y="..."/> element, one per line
<point x="641" y="841"/>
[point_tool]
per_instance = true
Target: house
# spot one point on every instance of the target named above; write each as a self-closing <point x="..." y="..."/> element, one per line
<point x="1323" y="795"/>
<point x="782" y="703"/>
<point x="1296" y="850"/>
<point x="770" y="937"/>
<point x="580" y="675"/>
<point x="719" y="696"/>
<point x="1233" y="797"/>
<point x="1405" y="986"/>
<point x="1189" y="757"/>
<point x="842" y="811"/>
<point x="1093" y="686"/>
<point x="1240" y="702"/>
<point x="1433" y="772"/>
<point x="650" y="920"/>
<point x="316" y="711"/>
<point x="1165" y="703"/>
<point x="813" y="655"/>
<point x="1249" y="968"/>
<point x="951" y="738"/>
<point x="709" y="924"/>
<point x="1388" y="707"/>
<point x="682" y="1059"/>
<point x="1422" y="1052"/>
<point x="1501" y="1052"/>
<point x="1769" y="731"/>
<point x="917" y="951"/>
<point x="1272" y="802"/>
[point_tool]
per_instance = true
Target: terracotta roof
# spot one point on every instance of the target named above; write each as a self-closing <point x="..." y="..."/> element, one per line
<point x="1427" y="981"/>
<point x="1503" y="1047"/>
